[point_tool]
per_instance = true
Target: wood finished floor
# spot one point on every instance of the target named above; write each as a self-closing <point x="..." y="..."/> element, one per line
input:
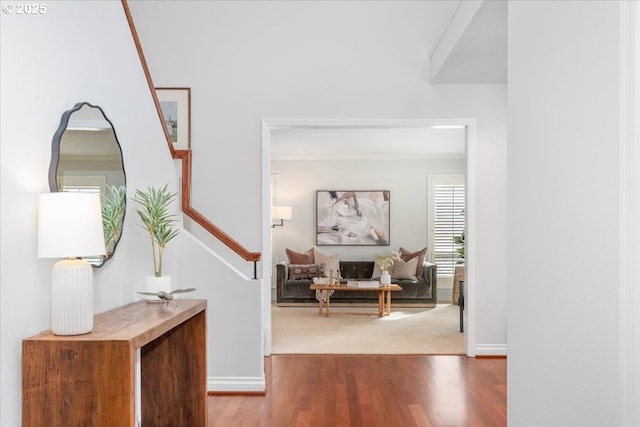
<point x="368" y="391"/>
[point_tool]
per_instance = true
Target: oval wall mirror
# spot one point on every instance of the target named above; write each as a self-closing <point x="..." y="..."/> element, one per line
<point x="86" y="156"/>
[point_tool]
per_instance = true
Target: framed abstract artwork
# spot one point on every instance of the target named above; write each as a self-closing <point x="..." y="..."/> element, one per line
<point x="352" y="218"/>
<point x="175" y="103"/>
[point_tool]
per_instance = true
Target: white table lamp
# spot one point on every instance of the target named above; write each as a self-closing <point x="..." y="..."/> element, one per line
<point x="70" y="225"/>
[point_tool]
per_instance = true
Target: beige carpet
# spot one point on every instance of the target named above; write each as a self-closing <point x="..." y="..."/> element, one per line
<point x="358" y="330"/>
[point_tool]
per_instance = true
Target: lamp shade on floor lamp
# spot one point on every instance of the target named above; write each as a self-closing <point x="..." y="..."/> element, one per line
<point x="70" y="226"/>
<point x="280" y="213"/>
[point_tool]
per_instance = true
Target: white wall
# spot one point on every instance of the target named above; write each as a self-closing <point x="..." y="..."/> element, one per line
<point x="564" y="210"/>
<point x="246" y="61"/>
<point x="234" y="330"/>
<point x="75" y="52"/>
<point x="83" y="51"/>
<point x="406" y="179"/>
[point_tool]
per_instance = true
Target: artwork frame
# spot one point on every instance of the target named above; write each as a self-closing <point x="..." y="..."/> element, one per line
<point x="353" y="218"/>
<point x="175" y="104"/>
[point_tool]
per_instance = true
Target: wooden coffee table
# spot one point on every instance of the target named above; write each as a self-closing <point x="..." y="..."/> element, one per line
<point x="384" y="296"/>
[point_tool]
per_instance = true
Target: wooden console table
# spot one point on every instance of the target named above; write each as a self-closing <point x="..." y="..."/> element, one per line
<point x="89" y="380"/>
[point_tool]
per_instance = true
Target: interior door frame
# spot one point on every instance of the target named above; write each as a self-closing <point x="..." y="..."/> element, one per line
<point x="269" y="124"/>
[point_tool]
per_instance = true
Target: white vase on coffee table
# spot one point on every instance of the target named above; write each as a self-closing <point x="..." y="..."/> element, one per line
<point x="385" y="278"/>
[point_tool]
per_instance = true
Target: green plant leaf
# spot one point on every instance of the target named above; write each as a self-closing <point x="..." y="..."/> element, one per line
<point x="113" y="211"/>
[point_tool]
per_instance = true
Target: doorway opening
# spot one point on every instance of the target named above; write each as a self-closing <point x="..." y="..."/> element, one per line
<point x="318" y="150"/>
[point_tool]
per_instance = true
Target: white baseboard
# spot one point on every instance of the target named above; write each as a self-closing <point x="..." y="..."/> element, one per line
<point x="236" y="384"/>
<point x="491" y="350"/>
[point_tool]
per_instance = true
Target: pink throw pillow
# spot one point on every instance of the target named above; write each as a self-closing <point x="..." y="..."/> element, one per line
<point x="300" y="258"/>
<point x="405" y="255"/>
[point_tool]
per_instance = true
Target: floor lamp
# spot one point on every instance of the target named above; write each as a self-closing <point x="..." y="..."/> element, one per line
<point x="281" y="213"/>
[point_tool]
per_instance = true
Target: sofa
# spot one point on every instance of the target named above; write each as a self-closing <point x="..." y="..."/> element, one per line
<point x="421" y="292"/>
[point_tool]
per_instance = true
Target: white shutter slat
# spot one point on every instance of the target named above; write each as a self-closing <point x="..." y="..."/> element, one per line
<point x="449" y="203"/>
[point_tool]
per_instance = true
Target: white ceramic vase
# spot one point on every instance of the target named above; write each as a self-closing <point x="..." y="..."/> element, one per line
<point x="156" y="284"/>
<point x="385" y="278"/>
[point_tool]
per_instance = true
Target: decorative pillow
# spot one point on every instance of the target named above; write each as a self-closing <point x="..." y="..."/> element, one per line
<point x="404" y="270"/>
<point x="405" y="255"/>
<point x="330" y="262"/>
<point x="305" y="271"/>
<point x="300" y="258"/>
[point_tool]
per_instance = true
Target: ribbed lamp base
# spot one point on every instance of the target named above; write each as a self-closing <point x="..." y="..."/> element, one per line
<point x="72" y="297"/>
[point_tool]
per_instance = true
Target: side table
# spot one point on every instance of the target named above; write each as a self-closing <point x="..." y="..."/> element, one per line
<point x="458" y="275"/>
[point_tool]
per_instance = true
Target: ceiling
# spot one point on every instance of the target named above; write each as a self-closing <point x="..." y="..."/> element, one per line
<point x="469" y="46"/>
<point x="473" y="47"/>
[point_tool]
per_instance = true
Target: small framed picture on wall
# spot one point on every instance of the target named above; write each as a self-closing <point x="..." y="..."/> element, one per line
<point x="175" y="103"/>
<point x="352" y="218"/>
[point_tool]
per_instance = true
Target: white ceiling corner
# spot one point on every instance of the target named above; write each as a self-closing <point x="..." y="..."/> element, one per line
<point x="473" y="47"/>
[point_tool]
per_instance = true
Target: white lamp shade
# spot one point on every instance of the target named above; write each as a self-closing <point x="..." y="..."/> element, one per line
<point x="69" y="225"/>
<point x="281" y="212"/>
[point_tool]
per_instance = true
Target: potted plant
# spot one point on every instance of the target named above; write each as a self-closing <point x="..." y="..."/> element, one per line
<point x="459" y="269"/>
<point x="459" y="240"/>
<point x="386" y="262"/>
<point x="159" y="224"/>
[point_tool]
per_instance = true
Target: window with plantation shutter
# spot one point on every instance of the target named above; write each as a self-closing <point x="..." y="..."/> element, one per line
<point x="81" y="189"/>
<point x="448" y="221"/>
<point x="82" y="184"/>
